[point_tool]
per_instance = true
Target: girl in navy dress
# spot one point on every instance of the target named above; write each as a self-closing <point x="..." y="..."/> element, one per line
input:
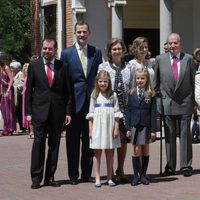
<point x="141" y="124"/>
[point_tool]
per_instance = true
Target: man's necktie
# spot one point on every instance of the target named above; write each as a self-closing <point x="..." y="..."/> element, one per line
<point x="83" y="61"/>
<point x="49" y="74"/>
<point x="175" y="68"/>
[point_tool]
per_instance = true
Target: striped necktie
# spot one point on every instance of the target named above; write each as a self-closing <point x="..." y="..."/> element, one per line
<point x="140" y="93"/>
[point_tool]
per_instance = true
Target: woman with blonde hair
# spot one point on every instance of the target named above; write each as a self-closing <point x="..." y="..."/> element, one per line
<point x="26" y="124"/>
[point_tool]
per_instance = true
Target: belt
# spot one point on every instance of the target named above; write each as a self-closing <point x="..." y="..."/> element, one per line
<point x="103" y="105"/>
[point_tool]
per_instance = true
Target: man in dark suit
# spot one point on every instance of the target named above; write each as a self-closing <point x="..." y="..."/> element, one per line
<point x="174" y="79"/>
<point x="48" y="105"/>
<point x="83" y="61"/>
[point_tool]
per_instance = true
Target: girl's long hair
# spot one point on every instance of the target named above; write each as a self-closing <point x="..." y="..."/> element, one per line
<point x="96" y="90"/>
<point x="148" y="92"/>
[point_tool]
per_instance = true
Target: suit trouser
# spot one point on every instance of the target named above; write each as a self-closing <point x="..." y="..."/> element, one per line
<point x="53" y="127"/>
<point x="19" y="111"/>
<point x="185" y="141"/>
<point x="77" y="130"/>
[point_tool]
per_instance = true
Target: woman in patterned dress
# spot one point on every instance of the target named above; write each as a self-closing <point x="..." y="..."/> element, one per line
<point x="121" y="78"/>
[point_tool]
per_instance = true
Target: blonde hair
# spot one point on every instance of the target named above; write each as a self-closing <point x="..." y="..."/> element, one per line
<point x="148" y="92"/>
<point x="96" y="90"/>
<point x="25" y="69"/>
<point x="136" y="45"/>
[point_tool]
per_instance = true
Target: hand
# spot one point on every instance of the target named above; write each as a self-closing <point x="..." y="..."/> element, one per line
<point x="128" y="134"/>
<point x="28" y="118"/>
<point x="153" y="136"/>
<point x="115" y="133"/>
<point x="6" y="94"/>
<point x="90" y="134"/>
<point x="68" y="119"/>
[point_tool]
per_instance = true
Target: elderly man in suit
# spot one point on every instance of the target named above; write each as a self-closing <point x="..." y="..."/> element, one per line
<point x="174" y="80"/>
<point x="48" y="105"/>
<point x="83" y="61"/>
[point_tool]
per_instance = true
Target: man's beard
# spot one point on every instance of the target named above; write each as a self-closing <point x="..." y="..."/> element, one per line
<point x="48" y="57"/>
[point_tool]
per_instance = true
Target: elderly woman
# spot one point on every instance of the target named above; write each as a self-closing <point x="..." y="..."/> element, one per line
<point x="18" y="87"/>
<point x="7" y="100"/>
<point x="121" y="78"/>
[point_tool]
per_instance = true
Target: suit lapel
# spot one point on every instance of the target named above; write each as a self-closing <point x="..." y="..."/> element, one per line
<point x="169" y="70"/>
<point x="90" y="58"/>
<point x="76" y="59"/>
<point x="56" y="68"/>
<point x="136" y="98"/>
<point x="42" y="72"/>
<point x="183" y="66"/>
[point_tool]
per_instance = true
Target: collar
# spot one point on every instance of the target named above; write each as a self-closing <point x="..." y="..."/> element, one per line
<point x="51" y="61"/>
<point x="78" y="47"/>
<point x="177" y="55"/>
<point x="140" y="89"/>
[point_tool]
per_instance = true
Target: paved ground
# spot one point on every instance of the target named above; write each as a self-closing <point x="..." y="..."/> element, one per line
<point x="15" y="178"/>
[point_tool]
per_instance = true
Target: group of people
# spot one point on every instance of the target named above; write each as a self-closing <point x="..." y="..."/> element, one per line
<point x="13" y="86"/>
<point x="106" y="105"/>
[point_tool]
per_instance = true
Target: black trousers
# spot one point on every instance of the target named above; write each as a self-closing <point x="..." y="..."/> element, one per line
<point x="53" y="127"/>
<point x="78" y="131"/>
<point x="19" y="111"/>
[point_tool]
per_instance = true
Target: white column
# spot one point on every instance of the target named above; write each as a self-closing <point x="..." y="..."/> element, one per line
<point x="165" y="21"/>
<point x="59" y="27"/>
<point x="79" y="11"/>
<point x="117" y="17"/>
<point x="117" y="25"/>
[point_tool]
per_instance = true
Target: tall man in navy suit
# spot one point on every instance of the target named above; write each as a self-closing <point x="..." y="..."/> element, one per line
<point x="48" y="105"/>
<point x="174" y="79"/>
<point x="83" y="61"/>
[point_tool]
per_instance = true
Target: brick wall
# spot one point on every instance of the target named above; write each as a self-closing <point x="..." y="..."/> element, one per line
<point x="69" y="23"/>
<point x="35" y="27"/>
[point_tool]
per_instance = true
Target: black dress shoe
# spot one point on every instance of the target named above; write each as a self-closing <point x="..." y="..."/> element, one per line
<point x="168" y="172"/>
<point x="144" y="180"/>
<point x="187" y="172"/>
<point x="135" y="181"/>
<point x="51" y="183"/>
<point x="73" y="181"/>
<point x="35" y="186"/>
<point x="87" y="180"/>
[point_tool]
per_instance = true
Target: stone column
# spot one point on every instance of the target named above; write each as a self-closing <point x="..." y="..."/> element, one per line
<point x="117" y="17"/>
<point x="165" y="21"/>
<point x="79" y="11"/>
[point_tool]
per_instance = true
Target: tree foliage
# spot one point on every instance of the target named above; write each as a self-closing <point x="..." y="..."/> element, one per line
<point x="15" y="26"/>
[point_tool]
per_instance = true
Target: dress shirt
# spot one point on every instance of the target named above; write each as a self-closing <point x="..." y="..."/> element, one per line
<point x="140" y="90"/>
<point x="51" y="65"/>
<point x="78" y="48"/>
<point x="178" y="61"/>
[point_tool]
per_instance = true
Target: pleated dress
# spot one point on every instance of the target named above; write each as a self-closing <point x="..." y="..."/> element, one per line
<point x="103" y="111"/>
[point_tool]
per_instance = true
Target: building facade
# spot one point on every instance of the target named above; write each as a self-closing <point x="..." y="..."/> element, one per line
<point x="126" y="19"/>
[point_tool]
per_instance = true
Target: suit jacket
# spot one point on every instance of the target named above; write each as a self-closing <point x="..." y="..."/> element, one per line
<point x="140" y="113"/>
<point x="177" y="98"/>
<point x="83" y="86"/>
<point x="39" y="96"/>
<point x="197" y="89"/>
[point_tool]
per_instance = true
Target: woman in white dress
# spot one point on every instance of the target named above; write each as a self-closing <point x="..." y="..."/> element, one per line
<point x="103" y="119"/>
